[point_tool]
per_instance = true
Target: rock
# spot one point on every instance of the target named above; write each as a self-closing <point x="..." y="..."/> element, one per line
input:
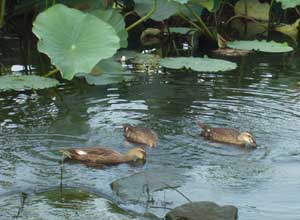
<point x="140" y="186"/>
<point x="203" y="211"/>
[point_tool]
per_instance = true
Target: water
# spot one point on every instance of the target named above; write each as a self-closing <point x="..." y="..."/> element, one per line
<point x="263" y="97"/>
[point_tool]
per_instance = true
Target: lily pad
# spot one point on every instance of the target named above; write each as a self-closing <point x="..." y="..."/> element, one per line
<point x="116" y="20"/>
<point x="75" y="41"/>
<point x="198" y="64"/>
<point x="13" y="82"/>
<point x="164" y="9"/>
<point x="263" y="46"/>
<point x="288" y="3"/>
<point x="107" y="72"/>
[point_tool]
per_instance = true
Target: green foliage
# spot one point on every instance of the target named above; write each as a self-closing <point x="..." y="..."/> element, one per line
<point x="164" y="10"/>
<point x="181" y="1"/>
<point x="198" y="64"/>
<point x="106" y="72"/>
<point x="75" y="41"/>
<point x="12" y="82"/>
<point x="210" y="5"/>
<point x="115" y="19"/>
<point x="263" y="46"/>
<point x="289" y="29"/>
<point x="181" y="30"/>
<point x="289" y="3"/>
<point x="253" y="9"/>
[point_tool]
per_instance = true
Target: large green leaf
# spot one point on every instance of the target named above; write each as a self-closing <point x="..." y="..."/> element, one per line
<point x="13" y="82"/>
<point x="164" y="9"/>
<point x="106" y="72"/>
<point x="210" y="5"/>
<point x="198" y="64"/>
<point x="181" y="1"/>
<point x="75" y="41"/>
<point x="289" y="3"/>
<point x="252" y="8"/>
<point x="263" y="46"/>
<point x="181" y="30"/>
<point x="116" y="20"/>
<point x="289" y="29"/>
<point x="192" y="8"/>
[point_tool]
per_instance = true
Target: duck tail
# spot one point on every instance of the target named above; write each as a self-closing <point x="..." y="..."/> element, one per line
<point x="66" y="153"/>
<point x="201" y="125"/>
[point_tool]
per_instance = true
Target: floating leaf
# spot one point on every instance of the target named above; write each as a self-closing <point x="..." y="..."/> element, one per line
<point x="75" y="41"/>
<point x="164" y="9"/>
<point x="198" y="64"/>
<point x="253" y="8"/>
<point x="116" y="20"/>
<point x="13" y="82"/>
<point x="106" y="72"/>
<point x="263" y="46"/>
<point x="289" y="3"/>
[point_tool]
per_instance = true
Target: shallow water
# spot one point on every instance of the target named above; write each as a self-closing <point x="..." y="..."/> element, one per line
<point x="262" y="96"/>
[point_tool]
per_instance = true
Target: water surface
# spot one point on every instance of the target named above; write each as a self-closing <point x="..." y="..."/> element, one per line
<point x="262" y="96"/>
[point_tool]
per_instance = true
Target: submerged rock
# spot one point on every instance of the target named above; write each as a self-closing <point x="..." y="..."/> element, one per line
<point x="203" y="211"/>
<point x="140" y="186"/>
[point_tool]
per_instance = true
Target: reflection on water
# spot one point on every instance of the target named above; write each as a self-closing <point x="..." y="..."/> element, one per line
<point x="262" y="97"/>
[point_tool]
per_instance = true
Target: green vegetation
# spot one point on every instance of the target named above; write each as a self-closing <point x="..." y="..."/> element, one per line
<point x="80" y="37"/>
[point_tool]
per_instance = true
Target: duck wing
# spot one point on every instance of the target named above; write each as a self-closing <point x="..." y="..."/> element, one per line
<point x="141" y="135"/>
<point x="225" y="135"/>
<point x="93" y="154"/>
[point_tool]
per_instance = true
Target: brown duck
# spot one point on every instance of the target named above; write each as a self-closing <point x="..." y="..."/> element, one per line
<point x="103" y="156"/>
<point x="228" y="135"/>
<point x="140" y="135"/>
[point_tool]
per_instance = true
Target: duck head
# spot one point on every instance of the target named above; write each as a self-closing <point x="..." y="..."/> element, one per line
<point x="137" y="153"/>
<point x="126" y="127"/>
<point x="247" y="138"/>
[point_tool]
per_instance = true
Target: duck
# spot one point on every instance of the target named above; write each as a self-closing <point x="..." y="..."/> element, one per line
<point x="228" y="136"/>
<point x="140" y="135"/>
<point x="99" y="156"/>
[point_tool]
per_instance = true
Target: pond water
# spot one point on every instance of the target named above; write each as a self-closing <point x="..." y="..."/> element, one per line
<point x="262" y="96"/>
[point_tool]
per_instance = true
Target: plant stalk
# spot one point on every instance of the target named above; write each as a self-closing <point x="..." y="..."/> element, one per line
<point x="189" y="21"/>
<point x="270" y="17"/>
<point x="51" y="72"/>
<point x="199" y="19"/>
<point x="2" y="13"/>
<point x="148" y="15"/>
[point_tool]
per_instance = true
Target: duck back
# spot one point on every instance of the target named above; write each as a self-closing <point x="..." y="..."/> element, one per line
<point x="225" y="135"/>
<point x="140" y="135"/>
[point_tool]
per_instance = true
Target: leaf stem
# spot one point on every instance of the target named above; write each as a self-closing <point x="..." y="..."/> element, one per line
<point x="199" y="19"/>
<point x="270" y="18"/>
<point x="51" y="72"/>
<point x="148" y="15"/>
<point x="2" y="13"/>
<point x="188" y="20"/>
